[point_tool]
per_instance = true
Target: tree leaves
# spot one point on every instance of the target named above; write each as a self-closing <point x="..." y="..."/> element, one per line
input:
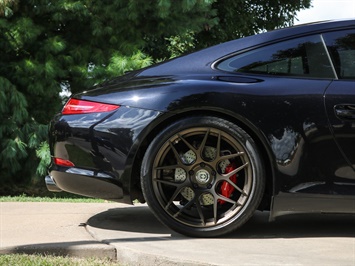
<point x="47" y="47"/>
<point x="120" y="64"/>
<point x="240" y="18"/>
<point x="7" y="7"/>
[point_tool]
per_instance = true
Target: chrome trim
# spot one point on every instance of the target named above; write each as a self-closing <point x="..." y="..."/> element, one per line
<point x="51" y="185"/>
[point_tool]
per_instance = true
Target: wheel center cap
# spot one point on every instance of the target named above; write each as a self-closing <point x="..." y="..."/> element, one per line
<point x="202" y="176"/>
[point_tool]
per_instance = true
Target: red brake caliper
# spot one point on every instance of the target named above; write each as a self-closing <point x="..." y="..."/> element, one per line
<point x="227" y="189"/>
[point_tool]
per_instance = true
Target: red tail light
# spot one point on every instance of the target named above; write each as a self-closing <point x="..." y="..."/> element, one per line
<point x="62" y="162"/>
<point x="75" y="106"/>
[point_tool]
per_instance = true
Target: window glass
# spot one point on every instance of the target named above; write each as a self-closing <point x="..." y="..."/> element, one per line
<point x="341" y="46"/>
<point x="304" y="57"/>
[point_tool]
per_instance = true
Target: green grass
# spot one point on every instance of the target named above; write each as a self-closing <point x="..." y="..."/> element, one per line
<point x="40" y="260"/>
<point x="25" y="198"/>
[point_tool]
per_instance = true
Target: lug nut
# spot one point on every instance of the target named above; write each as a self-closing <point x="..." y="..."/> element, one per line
<point x="202" y="164"/>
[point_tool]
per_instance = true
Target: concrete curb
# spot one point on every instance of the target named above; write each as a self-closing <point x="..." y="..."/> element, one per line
<point x="131" y="256"/>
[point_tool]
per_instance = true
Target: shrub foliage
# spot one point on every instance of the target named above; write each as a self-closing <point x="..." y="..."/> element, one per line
<point x="47" y="47"/>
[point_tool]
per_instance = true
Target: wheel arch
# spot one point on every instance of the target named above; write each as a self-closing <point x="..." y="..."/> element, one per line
<point x="169" y="118"/>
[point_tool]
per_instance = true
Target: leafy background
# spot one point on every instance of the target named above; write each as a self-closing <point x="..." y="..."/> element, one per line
<point x="50" y="47"/>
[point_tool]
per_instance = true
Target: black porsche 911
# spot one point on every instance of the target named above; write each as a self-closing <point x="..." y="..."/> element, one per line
<point x="264" y="122"/>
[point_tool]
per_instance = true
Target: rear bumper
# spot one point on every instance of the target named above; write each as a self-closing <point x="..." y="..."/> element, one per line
<point x="85" y="182"/>
<point x="102" y="148"/>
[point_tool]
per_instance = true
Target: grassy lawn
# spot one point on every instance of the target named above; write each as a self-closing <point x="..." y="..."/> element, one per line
<point x="29" y="260"/>
<point x="25" y="198"/>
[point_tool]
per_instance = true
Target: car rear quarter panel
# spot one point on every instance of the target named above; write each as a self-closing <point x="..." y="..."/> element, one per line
<point x="284" y="115"/>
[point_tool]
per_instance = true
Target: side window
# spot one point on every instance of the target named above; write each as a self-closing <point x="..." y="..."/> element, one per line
<point x="302" y="57"/>
<point x="341" y="47"/>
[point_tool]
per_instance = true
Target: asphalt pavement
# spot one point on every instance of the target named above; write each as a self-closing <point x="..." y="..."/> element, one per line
<point x="133" y="236"/>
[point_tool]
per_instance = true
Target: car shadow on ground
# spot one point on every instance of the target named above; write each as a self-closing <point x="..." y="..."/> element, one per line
<point x="139" y="219"/>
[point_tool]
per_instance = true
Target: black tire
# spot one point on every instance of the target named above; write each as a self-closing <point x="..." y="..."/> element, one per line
<point x="187" y="166"/>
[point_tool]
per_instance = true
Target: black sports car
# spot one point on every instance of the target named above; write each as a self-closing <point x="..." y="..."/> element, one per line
<point x="264" y="122"/>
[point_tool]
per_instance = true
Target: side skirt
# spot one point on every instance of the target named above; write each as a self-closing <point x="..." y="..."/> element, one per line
<point x="291" y="203"/>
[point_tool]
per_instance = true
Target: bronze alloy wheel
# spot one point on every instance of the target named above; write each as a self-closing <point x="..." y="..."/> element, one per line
<point x="204" y="176"/>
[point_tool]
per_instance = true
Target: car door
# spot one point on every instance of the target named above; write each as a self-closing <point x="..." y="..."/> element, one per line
<point x="294" y="74"/>
<point x="340" y="105"/>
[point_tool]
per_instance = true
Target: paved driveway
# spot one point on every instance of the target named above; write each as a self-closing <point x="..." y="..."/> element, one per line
<point x="133" y="236"/>
<point x="290" y="240"/>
